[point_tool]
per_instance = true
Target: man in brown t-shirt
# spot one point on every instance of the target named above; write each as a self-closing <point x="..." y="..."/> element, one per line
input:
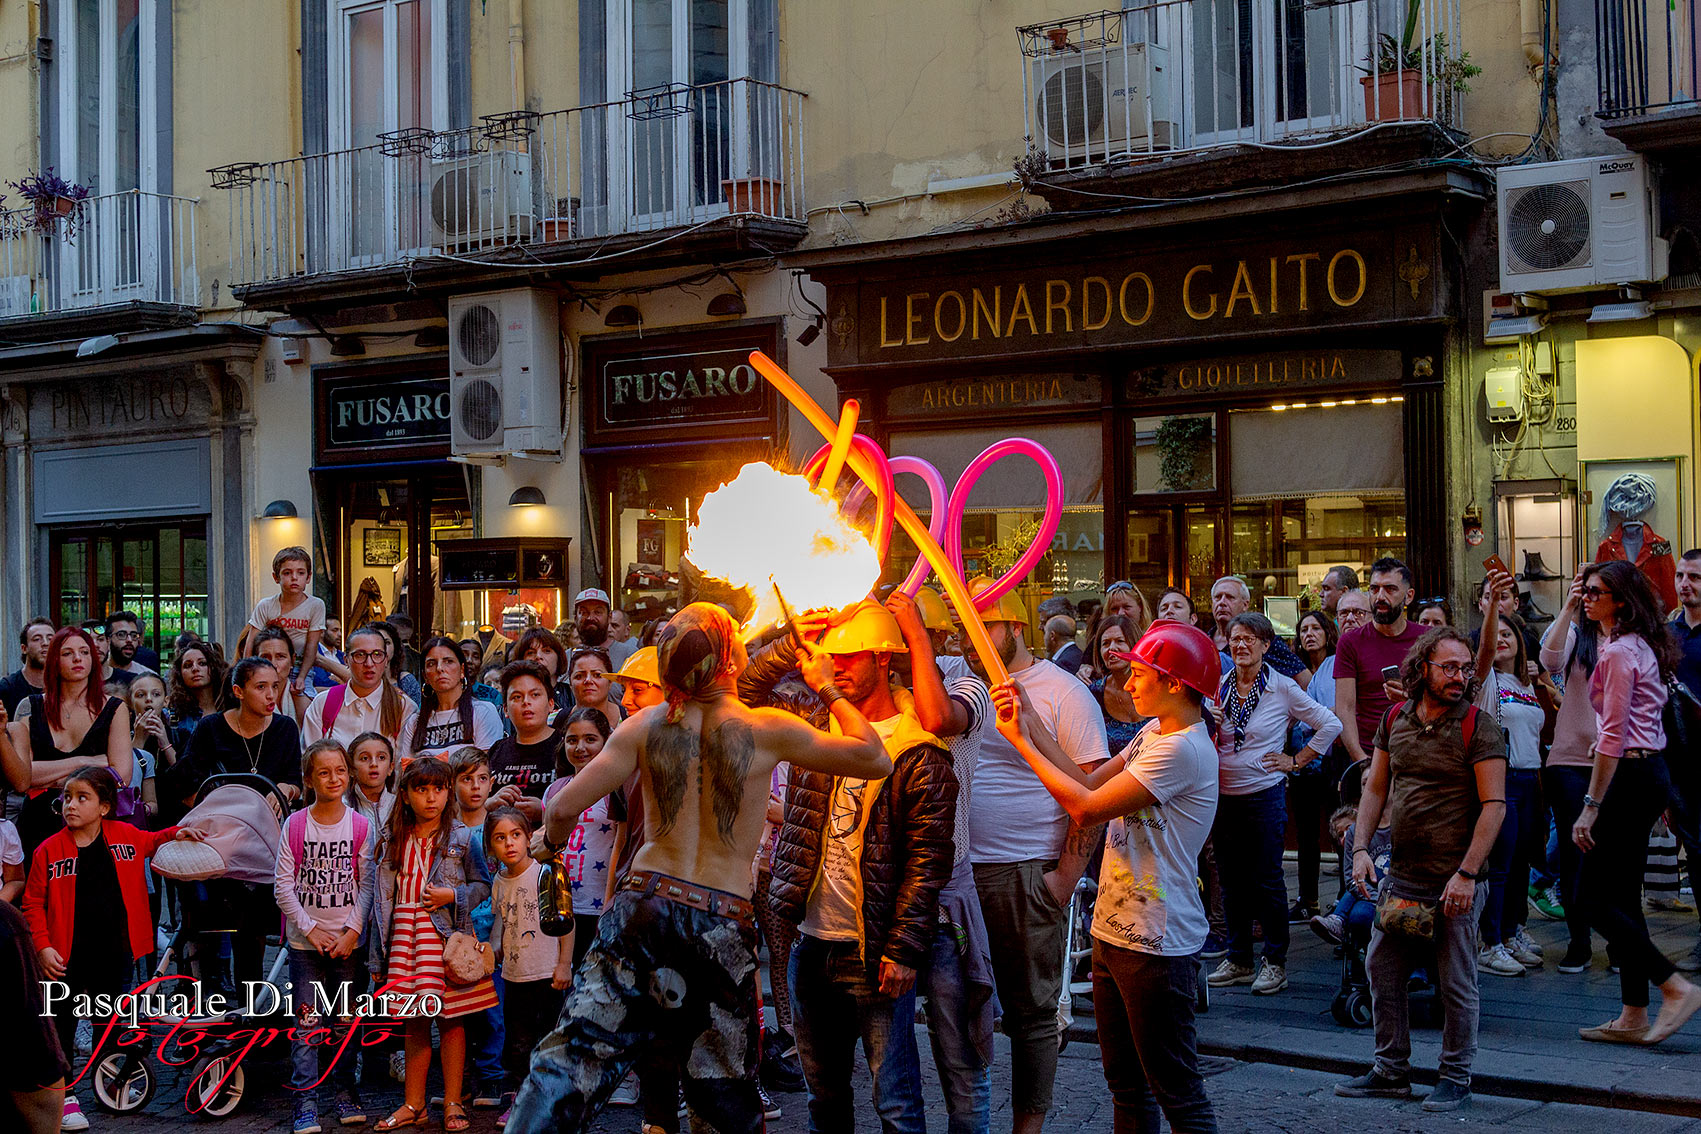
<point x="1439" y="766"/>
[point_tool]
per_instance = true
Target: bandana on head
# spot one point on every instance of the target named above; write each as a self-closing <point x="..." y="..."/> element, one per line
<point x="692" y="651"/>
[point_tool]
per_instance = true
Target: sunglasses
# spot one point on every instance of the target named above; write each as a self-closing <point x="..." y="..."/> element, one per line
<point x="1592" y="591"/>
<point x="1119" y="585"/>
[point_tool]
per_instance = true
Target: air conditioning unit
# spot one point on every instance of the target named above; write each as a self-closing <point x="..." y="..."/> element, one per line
<point x="1577" y="225"/>
<point x="1108" y="103"/>
<point x="505" y="374"/>
<point x="482" y="199"/>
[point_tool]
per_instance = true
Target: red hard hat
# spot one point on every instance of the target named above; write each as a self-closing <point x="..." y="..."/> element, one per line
<point x="1183" y="652"/>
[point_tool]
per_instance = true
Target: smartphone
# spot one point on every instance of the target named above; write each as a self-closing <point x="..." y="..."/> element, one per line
<point x="1390" y="673"/>
<point x="1495" y="563"/>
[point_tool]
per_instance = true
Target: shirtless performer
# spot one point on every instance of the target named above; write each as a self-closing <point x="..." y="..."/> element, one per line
<point x="674" y="963"/>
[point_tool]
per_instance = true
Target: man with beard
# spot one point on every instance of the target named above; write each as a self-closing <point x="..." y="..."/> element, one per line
<point x="1362" y="655"/>
<point x="1440" y="769"/>
<point x="590" y="615"/>
<point x="1028" y="855"/>
<point x="123" y="639"/>
<point x="30" y="676"/>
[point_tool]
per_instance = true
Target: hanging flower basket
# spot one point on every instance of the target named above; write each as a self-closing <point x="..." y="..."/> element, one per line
<point x="53" y="200"/>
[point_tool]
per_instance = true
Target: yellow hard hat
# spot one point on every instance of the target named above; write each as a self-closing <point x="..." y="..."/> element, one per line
<point x="868" y="626"/>
<point x="1010" y="608"/>
<point x="641" y="666"/>
<point x="934" y="616"/>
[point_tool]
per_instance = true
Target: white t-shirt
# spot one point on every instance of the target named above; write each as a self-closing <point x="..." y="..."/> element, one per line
<point x="589" y="854"/>
<point x="1515" y="708"/>
<point x="307" y="616"/>
<point x="1148" y="900"/>
<point x="326" y="891"/>
<point x="527" y="952"/>
<point x="11" y="847"/>
<point x="1012" y="818"/>
<point x="834" y="912"/>
<point x="443" y="732"/>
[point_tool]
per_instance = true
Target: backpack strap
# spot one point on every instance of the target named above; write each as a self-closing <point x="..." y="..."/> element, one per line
<point x="360" y="829"/>
<point x="1469" y="727"/>
<point x="334" y="698"/>
<point x="1388" y="718"/>
<point x="296" y="830"/>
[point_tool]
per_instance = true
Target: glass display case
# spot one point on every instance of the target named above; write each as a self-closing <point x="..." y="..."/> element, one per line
<point x="513" y="583"/>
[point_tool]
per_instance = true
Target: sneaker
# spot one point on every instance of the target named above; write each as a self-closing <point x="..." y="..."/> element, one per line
<point x="1497" y="959"/>
<point x="484" y="1094"/>
<point x="1447" y="1095"/>
<point x="1576" y="960"/>
<point x="1329" y="928"/>
<point x="72" y="1117"/>
<point x="1370" y="1085"/>
<point x="626" y="1094"/>
<point x="1215" y="948"/>
<point x="1301" y="912"/>
<point x="781" y="1071"/>
<point x="1673" y="904"/>
<point x="306" y="1116"/>
<point x="1271" y="979"/>
<point x="1691" y="963"/>
<point x="770" y="1108"/>
<point x="1228" y="973"/>
<point x="351" y="1112"/>
<point x="399" y="1066"/>
<point x="1549" y="905"/>
<point x="1524" y="949"/>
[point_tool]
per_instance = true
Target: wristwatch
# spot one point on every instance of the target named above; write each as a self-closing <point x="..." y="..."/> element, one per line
<point x="1591" y="801"/>
<point x="1477" y="877"/>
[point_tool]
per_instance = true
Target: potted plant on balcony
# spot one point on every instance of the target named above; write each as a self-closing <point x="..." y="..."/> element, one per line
<point x="1414" y="80"/>
<point x="52" y="200"/>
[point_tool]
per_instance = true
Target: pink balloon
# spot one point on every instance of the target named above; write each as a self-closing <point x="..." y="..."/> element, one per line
<point x="991" y="455"/>
<point x="937" y="509"/>
<point x="885" y="502"/>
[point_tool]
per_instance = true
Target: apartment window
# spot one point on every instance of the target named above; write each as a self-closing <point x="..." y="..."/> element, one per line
<point x="107" y="94"/>
<point x="1266" y="68"/>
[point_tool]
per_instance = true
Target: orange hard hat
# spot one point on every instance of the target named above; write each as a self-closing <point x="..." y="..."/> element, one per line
<point x="1183" y="652"/>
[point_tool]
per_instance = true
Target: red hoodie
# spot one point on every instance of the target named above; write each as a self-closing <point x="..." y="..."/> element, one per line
<point x="50" y="894"/>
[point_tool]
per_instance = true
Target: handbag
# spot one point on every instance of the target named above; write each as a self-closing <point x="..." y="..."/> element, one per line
<point x="1408" y="917"/>
<point x="466" y="959"/>
<point x="554" y="899"/>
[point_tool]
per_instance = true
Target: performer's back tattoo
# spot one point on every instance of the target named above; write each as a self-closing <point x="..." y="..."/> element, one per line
<point x="732" y="747"/>
<point x="725" y="765"/>
<point x="671" y="750"/>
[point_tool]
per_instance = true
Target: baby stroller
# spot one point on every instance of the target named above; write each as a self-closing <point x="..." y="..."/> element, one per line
<point x="214" y="880"/>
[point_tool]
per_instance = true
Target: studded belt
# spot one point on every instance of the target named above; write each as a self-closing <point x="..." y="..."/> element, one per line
<point x="717" y="902"/>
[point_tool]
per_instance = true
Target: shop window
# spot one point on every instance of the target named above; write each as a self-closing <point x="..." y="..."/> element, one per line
<point x="382" y="522"/>
<point x="1175" y="453"/>
<point x="1008" y="503"/>
<point x="159" y="571"/>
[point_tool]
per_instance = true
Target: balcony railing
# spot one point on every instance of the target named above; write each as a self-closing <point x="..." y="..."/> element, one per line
<point x="117" y="248"/>
<point x="1646" y="54"/>
<point x="1163" y="76"/>
<point x="663" y="158"/>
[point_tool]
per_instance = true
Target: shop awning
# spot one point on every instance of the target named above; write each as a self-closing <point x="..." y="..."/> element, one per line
<point x="1015" y="482"/>
<point x="1332" y="451"/>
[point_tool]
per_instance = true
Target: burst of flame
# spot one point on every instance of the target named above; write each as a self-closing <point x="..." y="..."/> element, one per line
<point x="765" y="527"/>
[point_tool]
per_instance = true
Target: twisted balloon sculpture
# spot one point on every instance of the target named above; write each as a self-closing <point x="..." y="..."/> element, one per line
<point x="875" y="470"/>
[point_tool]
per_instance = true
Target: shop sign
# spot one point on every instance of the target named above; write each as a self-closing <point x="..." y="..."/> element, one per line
<point x="1274" y="371"/>
<point x="363" y="414"/>
<point x="120" y="407"/>
<point x="1140" y="299"/>
<point x="993" y="395"/>
<point x="643" y="390"/>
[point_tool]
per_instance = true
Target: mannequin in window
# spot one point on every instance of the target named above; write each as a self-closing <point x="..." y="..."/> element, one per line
<point x="1624" y="506"/>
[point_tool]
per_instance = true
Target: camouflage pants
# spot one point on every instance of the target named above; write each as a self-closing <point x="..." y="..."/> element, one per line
<point x="663" y="981"/>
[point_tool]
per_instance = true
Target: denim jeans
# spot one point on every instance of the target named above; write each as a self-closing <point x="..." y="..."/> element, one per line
<point x="1143" y="1005"/>
<point x="964" y="1076"/>
<point x="1357" y="916"/>
<point x="1685" y="813"/>
<point x="1518" y="845"/>
<point x="485" y="1041"/>
<point x="1248" y="834"/>
<point x="1566" y="785"/>
<point x="305" y="967"/>
<point x="1390" y="963"/>
<point x="835" y="1002"/>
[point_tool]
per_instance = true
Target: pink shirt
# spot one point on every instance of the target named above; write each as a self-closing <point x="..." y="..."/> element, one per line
<point x="1574" y="730"/>
<point x="1628" y="697"/>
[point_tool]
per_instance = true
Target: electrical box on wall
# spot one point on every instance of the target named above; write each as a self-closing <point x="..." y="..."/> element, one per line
<point x="1504" y="387"/>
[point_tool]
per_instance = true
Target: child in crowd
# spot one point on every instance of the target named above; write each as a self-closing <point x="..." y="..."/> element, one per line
<point x="11" y="863"/>
<point x="151" y="737"/>
<point x="1351" y="918"/>
<point x="85" y="881"/>
<point x="299" y="615"/>
<point x="323" y="887"/>
<point x="591" y="849"/>
<point x="431" y="873"/>
<point x="471" y="769"/>
<point x="535" y="968"/>
<point x="272" y="645"/>
<point x="373" y="757"/>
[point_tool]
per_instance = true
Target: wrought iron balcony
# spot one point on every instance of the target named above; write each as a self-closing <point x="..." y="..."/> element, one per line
<point x="118" y="248"/>
<point x="666" y="158"/>
<point x="1648" y="59"/>
<point x="1167" y="76"/>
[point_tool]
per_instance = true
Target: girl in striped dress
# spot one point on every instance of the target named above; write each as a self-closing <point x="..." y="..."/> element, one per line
<point x="431" y="875"/>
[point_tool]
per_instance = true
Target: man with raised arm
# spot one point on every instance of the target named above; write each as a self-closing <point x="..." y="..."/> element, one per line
<point x="674" y="964"/>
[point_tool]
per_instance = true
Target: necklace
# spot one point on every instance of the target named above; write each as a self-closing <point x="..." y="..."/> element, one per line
<point x="259" y="739"/>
